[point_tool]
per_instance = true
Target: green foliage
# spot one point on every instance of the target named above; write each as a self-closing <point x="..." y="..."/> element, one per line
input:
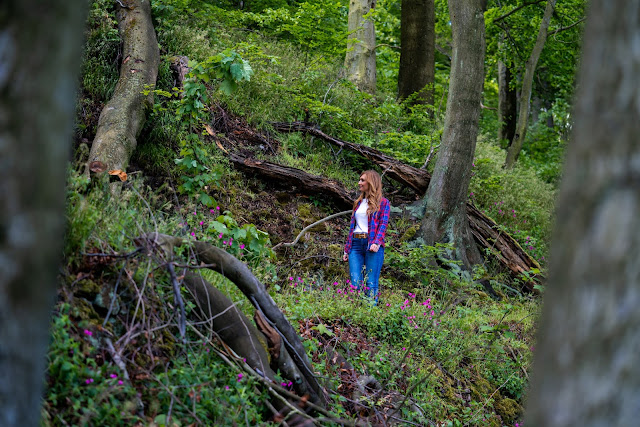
<point x="80" y="389"/>
<point x="246" y="243"/>
<point x="518" y="200"/>
<point x="204" y="389"/>
<point x="199" y="176"/>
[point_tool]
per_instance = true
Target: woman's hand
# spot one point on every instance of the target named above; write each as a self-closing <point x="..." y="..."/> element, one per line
<point x="345" y="257"/>
<point x="374" y="248"/>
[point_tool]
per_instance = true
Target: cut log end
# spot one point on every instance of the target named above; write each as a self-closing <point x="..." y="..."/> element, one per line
<point x="97" y="167"/>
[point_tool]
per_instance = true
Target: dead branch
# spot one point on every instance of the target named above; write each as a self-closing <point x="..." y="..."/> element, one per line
<point x="304" y="230"/>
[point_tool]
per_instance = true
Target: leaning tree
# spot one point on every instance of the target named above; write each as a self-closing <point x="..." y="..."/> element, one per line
<point x="586" y="361"/>
<point x="445" y="218"/>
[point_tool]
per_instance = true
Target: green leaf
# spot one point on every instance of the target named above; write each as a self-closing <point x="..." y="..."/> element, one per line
<point x="322" y="328"/>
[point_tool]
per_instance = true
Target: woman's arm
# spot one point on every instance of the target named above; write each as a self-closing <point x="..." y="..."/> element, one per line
<point x="382" y="221"/>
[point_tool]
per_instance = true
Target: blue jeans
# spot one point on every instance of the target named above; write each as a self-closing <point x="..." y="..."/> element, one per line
<point x="364" y="267"/>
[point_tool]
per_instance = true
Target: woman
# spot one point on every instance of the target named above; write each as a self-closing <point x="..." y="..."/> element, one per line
<point x="365" y="245"/>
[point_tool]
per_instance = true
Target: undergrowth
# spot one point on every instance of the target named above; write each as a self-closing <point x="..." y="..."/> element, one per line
<point x="457" y="346"/>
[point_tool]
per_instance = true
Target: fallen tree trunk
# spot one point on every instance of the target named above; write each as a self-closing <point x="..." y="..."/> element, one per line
<point x="414" y="178"/>
<point x="307" y="183"/>
<point x="235" y="270"/>
<point x="122" y="117"/>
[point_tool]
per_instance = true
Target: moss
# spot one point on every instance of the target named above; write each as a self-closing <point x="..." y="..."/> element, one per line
<point x="86" y="289"/>
<point x="410" y="233"/>
<point x="84" y="310"/>
<point x="508" y="409"/>
<point x="304" y="213"/>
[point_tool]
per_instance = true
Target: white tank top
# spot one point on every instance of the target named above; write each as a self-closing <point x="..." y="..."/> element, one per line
<point x="362" y="220"/>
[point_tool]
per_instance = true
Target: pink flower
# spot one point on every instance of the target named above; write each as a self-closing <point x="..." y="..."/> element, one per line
<point x="88" y="380"/>
<point x="240" y="377"/>
<point x="88" y="332"/>
<point x="120" y="382"/>
<point x="113" y="376"/>
<point x="217" y="208"/>
<point x="226" y="387"/>
<point x="241" y="245"/>
<point x="201" y="222"/>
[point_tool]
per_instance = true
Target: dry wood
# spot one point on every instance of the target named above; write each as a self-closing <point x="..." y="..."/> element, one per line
<point x="311" y="184"/>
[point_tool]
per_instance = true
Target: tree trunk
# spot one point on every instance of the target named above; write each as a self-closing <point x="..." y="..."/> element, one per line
<point x="122" y="118"/>
<point x="586" y="362"/>
<point x="40" y="47"/>
<point x="507" y="104"/>
<point x="445" y="219"/>
<point x="360" y="60"/>
<point x="417" y="54"/>
<point x="527" y="84"/>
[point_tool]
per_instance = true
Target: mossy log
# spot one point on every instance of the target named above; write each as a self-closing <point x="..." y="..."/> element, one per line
<point x="293" y="360"/>
<point x="122" y="117"/>
<point x="307" y="183"/>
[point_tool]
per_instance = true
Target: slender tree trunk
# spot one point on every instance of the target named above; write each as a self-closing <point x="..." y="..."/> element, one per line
<point x="40" y="50"/>
<point x="507" y="104"/>
<point x="527" y="84"/>
<point x="445" y="218"/>
<point x="586" y="362"/>
<point x="417" y="54"/>
<point x="360" y="61"/>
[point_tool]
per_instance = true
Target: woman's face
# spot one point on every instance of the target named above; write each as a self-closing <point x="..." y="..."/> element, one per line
<point x="363" y="185"/>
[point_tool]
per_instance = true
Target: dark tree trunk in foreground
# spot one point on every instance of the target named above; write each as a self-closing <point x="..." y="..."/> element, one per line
<point x="40" y="50"/>
<point x="417" y="54"/>
<point x="527" y="84"/>
<point x="445" y="219"/>
<point x="122" y="118"/>
<point x="586" y="369"/>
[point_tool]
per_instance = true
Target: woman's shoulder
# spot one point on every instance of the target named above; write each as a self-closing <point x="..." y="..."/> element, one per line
<point x="384" y="201"/>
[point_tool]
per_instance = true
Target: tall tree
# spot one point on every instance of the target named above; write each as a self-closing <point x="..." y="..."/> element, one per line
<point x="445" y="217"/>
<point x="360" y="60"/>
<point x="527" y="83"/>
<point x="40" y="46"/>
<point x="586" y="361"/>
<point x="417" y="50"/>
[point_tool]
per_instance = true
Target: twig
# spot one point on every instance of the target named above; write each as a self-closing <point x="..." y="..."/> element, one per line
<point x="117" y="359"/>
<point x="559" y="30"/>
<point x="525" y="4"/>
<point x="304" y="230"/>
<point x="182" y="318"/>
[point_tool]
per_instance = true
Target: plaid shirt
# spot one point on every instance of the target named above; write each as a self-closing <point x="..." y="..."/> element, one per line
<point x="377" y="226"/>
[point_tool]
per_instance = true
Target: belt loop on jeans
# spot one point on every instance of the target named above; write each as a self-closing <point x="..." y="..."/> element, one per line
<point x="360" y="235"/>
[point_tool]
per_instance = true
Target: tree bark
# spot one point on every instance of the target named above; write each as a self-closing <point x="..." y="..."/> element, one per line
<point x="122" y="118"/>
<point x="360" y="60"/>
<point x="417" y="50"/>
<point x="307" y="183"/>
<point x="585" y="368"/>
<point x="527" y="83"/>
<point x="445" y="219"/>
<point x="40" y="51"/>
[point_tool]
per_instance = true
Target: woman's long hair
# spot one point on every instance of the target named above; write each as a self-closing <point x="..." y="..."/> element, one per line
<point x="374" y="195"/>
